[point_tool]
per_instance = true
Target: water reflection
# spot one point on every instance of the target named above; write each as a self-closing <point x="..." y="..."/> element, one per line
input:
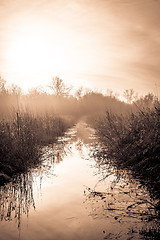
<point x="122" y="201"/>
<point x="79" y="198"/>
<point x="125" y="201"/>
<point x="16" y="198"/>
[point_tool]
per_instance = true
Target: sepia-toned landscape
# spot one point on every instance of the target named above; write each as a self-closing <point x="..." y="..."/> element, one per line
<point x="79" y="119"/>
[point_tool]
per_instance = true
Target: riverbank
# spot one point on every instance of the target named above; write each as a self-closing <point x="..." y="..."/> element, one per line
<point x="21" y="139"/>
<point x="133" y="142"/>
<point x="66" y="190"/>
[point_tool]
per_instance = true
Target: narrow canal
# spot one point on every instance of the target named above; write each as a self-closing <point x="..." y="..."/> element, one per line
<point x="68" y="197"/>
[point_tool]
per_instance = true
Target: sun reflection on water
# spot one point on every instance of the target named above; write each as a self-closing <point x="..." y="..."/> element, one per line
<point x="69" y="196"/>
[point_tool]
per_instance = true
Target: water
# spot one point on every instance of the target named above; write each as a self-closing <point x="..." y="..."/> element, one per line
<point x="66" y="198"/>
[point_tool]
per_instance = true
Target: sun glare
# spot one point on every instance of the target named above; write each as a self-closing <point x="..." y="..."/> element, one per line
<point x="32" y="54"/>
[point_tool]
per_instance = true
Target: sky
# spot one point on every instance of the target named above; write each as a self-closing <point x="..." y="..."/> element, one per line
<point x="98" y="44"/>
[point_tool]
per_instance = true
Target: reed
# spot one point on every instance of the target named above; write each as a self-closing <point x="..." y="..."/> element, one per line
<point x="21" y="139"/>
<point x="133" y="142"/>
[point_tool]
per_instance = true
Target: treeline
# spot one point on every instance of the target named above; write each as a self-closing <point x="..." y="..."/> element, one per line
<point x="60" y="101"/>
<point x="29" y="121"/>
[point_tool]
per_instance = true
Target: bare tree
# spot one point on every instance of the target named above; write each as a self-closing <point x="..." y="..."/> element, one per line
<point x="80" y="92"/>
<point x="3" y="89"/>
<point x="37" y="91"/>
<point x="15" y="90"/>
<point x="59" y="88"/>
<point x="147" y="101"/>
<point x="110" y="93"/>
<point x="130" y="95"/>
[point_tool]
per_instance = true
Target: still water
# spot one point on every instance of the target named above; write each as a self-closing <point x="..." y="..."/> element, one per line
<point x="68" y="197"/>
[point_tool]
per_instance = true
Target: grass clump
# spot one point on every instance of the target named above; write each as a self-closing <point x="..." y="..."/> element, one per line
<point x="21" y="139"/>
<point x="151" y="233"/>
<point x="133" y="142"/>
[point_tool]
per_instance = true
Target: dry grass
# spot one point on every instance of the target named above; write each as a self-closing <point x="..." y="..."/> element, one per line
<point x="133" y="142"/>
<point x="21" y="138"/>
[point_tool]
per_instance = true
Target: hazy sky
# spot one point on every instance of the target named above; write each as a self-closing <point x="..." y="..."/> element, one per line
<point x="94" y="43"/>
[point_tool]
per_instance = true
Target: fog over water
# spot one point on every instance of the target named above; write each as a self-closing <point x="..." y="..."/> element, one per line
<point x="79" y="119"/>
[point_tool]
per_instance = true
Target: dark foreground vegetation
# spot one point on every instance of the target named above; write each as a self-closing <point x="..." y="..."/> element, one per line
<point x="21" y="138"/>
<point x="129" y="131"/>
<point x="132" y="142"/>
<point x="28" y="122"/>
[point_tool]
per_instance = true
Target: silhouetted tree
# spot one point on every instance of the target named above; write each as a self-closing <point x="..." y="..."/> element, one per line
<point x="147" y="101"/>
<point x="80" y="92"/>
<point x="110" y="93"/>
<point x="3" y="89"/>
<point x="38" y="91"/>
<point x="130" y="95"/>
<point x="15" y="90"/>
<point x="149" y="98"/>
<point x="59" y="88"/>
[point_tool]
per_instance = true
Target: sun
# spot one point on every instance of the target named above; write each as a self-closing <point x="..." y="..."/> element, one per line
<point x="36" y="54"/>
